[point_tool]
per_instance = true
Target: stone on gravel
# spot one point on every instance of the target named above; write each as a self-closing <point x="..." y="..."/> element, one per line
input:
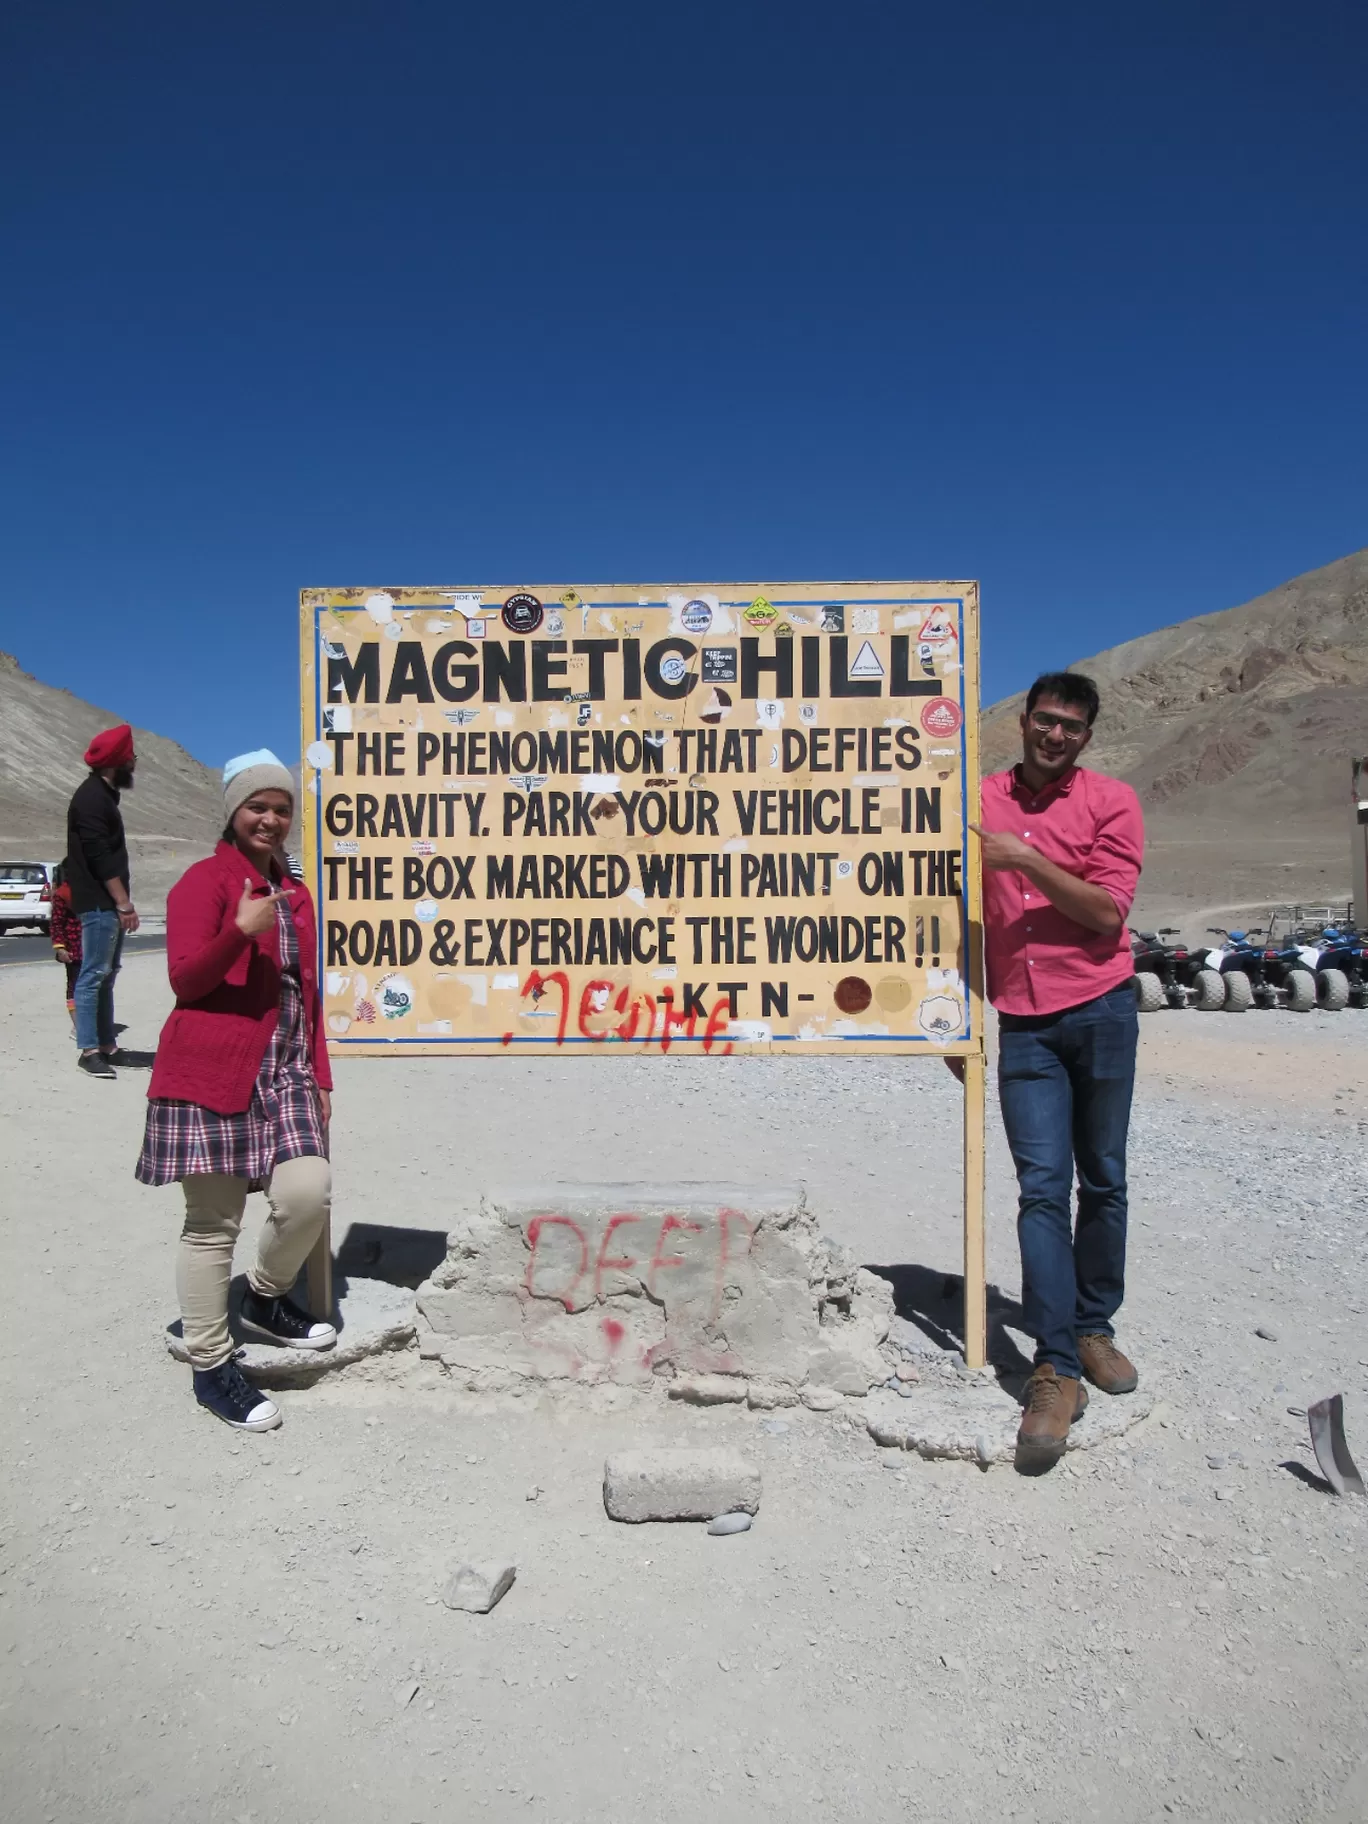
<point x="724" y="1524"/>
<point x="764" y="1395"/>
<point x="978" y="1421"/>
<point x="670" y="1484"/>
<point x="820" y="1399"/>
<point x="375" y="1319"/>
<point x="709" y="1389"/>
<point x="477" y="1587"/>
<point x="1269" y="1336"/>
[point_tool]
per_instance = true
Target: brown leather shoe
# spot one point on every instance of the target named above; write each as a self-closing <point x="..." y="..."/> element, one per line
<point x="1052" y="1403"/>
<point x="1105" y="1366"/>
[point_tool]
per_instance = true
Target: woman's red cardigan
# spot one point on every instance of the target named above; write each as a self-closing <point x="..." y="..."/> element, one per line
<point x="228" y="987"/>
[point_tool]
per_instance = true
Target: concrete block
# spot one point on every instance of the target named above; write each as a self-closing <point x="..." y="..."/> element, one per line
<point x="477" y="1587"/>
<point x="669" y="1484"/>
<point x="700" y="1284"/>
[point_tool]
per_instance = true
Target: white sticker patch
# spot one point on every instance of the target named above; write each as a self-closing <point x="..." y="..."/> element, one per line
<point x="335" y="983"/>
<point x="380" y="608"/>
<point x="607" y="783"/>
<point x="750" y="1032"/>
<point x="478" y="986"/>
<point x="866" y="663"/>
<point x="338" y="717"/>
<point x="506" y="978"/>
<point x="434" y="1029"/>
<point x="503" y="718"/>
<point x="426" y="910"/>
<point x="339" y="1023"/>
<point x="734" y="847"/>
<point x="770" y="711"/>
<point x="637" y="895"/>
<point x="319" y="755"/>
<point x="394" y="996"/>
<point x="864" y="620"/>
<point x="347" y="847"/>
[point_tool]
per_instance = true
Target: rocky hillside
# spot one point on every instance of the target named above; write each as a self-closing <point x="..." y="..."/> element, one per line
<point x="1235" y="728"/>
<point x="172" y="815"/>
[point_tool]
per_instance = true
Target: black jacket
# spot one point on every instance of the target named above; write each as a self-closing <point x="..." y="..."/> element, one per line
<point x="96" y="848"/>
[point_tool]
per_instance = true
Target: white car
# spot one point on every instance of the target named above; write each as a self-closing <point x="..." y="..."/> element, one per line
<point x="25" y="895"/>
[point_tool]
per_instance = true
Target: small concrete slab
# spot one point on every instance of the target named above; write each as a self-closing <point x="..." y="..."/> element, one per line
<point x="671" y="1484"/>
<point x="977" y="1419"/>
<point x="374" y="1318"/>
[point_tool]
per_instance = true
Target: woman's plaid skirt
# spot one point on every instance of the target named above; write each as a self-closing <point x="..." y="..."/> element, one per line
<point x="284" y="1119"/>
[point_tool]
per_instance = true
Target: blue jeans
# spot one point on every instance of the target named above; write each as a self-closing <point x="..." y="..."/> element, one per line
<point x="1065" y="1081"/>
<point x="101" y="947"/>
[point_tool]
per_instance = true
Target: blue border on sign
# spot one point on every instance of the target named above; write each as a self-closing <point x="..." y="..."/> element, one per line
<point x="777" y="1038"/>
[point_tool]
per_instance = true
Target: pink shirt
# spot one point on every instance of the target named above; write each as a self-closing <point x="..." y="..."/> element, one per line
<point x="1039" y="961"/>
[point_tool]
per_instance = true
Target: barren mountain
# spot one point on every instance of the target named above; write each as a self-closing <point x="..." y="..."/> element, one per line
<point x="172" y="815"/>
<point x="1236" y="730"/>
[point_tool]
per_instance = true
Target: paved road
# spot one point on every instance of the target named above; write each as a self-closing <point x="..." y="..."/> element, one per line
<point x="30" y="948"/>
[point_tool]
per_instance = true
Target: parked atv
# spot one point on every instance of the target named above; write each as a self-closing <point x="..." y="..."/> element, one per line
<point x="1286" y="970"/>
<point x="1157" y="965"/>
<point x="1241" y="964"/>
<point x="1336" y="957"/>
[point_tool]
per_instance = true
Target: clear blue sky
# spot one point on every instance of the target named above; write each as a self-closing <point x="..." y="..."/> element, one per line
<point x="1067" y="297"/>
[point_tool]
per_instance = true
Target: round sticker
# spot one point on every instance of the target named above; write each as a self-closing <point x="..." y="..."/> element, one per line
<point x="673" y="669"/>
<point x="695" y="617"/>
<point x="522" y="613"/>
<point x="941" y="716"/>
<point x="852" y="994"/>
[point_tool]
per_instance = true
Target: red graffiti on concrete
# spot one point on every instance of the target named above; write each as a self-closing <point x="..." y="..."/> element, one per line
<point x="725" y="1237"/>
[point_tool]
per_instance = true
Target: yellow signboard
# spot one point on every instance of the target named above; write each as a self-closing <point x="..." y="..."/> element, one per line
<point x="606" y="820"/>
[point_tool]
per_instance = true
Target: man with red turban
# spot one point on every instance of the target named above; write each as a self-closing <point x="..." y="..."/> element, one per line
<point x="97" y="872"/>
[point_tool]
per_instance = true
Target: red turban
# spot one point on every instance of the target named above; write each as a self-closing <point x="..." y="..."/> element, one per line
<point x="112" y="747"/>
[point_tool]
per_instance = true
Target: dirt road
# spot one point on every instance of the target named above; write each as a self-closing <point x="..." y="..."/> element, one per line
<point x="204" y="1625"/>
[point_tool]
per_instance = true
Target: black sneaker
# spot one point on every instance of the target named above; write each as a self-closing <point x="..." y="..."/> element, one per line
<point x="280" y="1320"/>
<point x="96" y="1064"/>
<point x="230" y="1397"/>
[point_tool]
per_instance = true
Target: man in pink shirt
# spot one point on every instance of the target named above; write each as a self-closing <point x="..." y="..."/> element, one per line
<point x="1062" y="849"/>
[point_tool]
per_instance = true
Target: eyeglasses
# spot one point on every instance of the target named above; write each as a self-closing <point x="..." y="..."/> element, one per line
<point x="1069" y="726"/>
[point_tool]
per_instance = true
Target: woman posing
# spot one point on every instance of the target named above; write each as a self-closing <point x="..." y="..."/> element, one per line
<point x="240" y="1093"/>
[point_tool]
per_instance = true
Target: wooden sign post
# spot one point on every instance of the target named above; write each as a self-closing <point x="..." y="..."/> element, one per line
<point x="606" y="820"/>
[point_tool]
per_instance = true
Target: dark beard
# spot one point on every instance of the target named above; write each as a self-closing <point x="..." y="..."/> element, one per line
<point x="123" y="779"/>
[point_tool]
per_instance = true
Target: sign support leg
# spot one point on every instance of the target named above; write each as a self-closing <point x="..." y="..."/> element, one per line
<point x="975" y="1263"/>
<point x="318" y="1276"/>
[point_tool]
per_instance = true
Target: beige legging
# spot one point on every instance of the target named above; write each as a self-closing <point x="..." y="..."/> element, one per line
<point x="299" y="1192"/>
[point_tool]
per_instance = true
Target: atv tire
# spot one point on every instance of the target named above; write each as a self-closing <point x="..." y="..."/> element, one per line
<point x="1209" y="991"/>
<point x="1149" y="991"/>
<point x="1239" y="995"/>
<point x="1334" y="990"/>
<point x="1301" y="990"/>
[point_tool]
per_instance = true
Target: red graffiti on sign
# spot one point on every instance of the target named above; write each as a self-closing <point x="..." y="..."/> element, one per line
<point x="637" y="1015"/>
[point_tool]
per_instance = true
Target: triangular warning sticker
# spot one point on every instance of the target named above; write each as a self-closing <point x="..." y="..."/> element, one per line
<point x="866" y="663"/>
<point x="937" y="628"/>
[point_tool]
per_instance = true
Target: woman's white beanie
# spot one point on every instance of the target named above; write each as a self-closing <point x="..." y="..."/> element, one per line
<point x="258" y="771"/>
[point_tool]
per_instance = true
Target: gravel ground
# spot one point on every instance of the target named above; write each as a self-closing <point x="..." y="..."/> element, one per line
<point x="201" y="1624"/>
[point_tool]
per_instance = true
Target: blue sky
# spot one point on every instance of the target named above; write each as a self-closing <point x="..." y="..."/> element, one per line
<point x="1067" y="298"/>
